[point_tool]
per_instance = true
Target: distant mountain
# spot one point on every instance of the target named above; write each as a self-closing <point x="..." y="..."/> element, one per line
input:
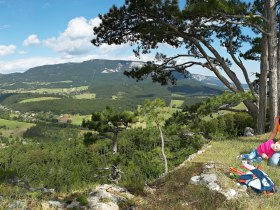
<point x="84" y="72"/>
<point x="102" y="75"/>
<point x="211" y="80"/>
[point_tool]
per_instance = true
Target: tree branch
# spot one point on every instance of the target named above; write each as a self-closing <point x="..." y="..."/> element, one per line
<point x="227" y="70"/>
<point x="212" y="66"/>
<point x="241" y="66"/>
<point x="249" y="24"/>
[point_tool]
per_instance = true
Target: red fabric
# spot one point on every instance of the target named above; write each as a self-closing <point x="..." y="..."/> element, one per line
<point x="266" y="148"/>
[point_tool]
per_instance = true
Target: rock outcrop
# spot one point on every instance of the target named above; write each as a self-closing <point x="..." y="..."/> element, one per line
<point x="212" y="176"/>
<point x="103" y="197"/>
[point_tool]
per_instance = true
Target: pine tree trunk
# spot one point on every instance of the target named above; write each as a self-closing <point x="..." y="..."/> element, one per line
<point x="162" y="151"/>
<point x="253" y="111"/>
<point x="272" y="57"/>
<point x="262" y="101"/>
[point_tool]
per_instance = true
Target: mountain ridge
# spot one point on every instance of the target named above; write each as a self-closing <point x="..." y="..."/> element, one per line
<point x="90" y="66"/>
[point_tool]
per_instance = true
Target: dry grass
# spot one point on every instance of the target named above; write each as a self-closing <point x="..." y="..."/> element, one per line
<point x="175" y="192"/>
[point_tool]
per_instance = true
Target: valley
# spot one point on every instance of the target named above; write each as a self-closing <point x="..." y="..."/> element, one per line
<point x="91" y="85"/>
<point x="57" y="127"/>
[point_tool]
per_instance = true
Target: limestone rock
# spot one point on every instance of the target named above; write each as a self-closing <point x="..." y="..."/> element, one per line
<point x="248" y="131"/>
<point x="104" y="206"/>
<point x="73" y="205"/>
<point x="56" y="204"/>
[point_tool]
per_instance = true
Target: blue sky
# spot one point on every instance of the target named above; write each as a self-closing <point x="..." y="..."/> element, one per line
<point x="39" y="32"/>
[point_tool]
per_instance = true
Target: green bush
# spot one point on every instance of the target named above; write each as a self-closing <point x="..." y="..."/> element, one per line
<point x="225" y="126"/>
<point x="61" y="165"/>
<point x="242" y="120"/>
<point x="90" y="138"/>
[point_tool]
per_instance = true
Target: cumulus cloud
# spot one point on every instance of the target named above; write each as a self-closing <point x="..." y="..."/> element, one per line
<point x="32" y="39"/>
<point x="7" y="49"/>
<point x="21" y="65"/>
<point x="107" y="49"/>
<point x="75" y="40"/>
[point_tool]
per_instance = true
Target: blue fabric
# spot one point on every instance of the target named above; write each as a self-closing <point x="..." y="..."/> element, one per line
<point x="253" y="156"/>
<point x="274" y="160"/>
<point x="266" y="183"/>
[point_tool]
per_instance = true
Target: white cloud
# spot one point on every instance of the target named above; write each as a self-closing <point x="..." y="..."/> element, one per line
<point x="21" y="65"/>
<point x="75" y="40"/>
<point x="7" y="49"/>
<point x="105" y="48"/>
<point x="32" y="39"/>
<point x="21" y="52"/>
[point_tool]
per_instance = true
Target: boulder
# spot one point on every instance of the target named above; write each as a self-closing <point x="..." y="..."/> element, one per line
<point x="56" y="204"/>
<point x="211" y="176"/>
<point x="73" y="205"/>
<point x="248" y="131"/>
<point x="104" y="206"/>
<point x="107" y="197"/>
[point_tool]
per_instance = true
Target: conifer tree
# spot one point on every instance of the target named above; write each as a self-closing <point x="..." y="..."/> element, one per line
<point x="155" y="113"/>
<point x="110" y="121"/>
<point x="196" y="28"/>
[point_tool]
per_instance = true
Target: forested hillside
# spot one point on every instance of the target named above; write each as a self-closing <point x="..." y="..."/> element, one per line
<point x="89" y="86"/>
<point x="120" y="134"/>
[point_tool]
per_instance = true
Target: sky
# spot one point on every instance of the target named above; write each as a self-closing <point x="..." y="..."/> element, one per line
<point x="40" y="32"/>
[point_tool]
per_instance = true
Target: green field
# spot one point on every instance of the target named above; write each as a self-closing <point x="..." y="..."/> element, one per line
<point x="77" y="119"/>
<point x="14" y="128"/>
<point x="48" y="90"/>
<point x="85" y="96"/>
<point x="240" y="106"/>
<point x="48" y="83"/>
<point x="176" y="103"/>
<point x="177" y="95"/>
<point x="38" y="99"/>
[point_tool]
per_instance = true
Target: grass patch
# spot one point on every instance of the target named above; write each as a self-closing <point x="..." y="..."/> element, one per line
<point x="38" y="99"/>
<point x="77" y="119"/>
<point x="11" y="124"/>
<point x="48" y="90"/>
<point x="175" y="192"/>
<point x="85" y="96"/>
<point x="13" y="128"/>
<point x="48" y="83"/>
<point x="240" y="106"/>
<point x="176" y="103"/>
<point x="177" y="95"/>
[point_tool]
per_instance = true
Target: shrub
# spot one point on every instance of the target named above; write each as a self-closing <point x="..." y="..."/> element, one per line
<point x="90" y="138"/>
<point x="242" y="120"/>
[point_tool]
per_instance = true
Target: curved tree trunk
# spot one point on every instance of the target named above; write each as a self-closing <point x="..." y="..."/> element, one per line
<point x="162" y="150"/>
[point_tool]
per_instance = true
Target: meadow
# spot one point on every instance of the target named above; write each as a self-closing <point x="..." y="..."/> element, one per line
<point x="176" y="185"/>
<point x="38" y="99"/>
<point x="13" y="128"/>
<point x="62" y="90"/>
